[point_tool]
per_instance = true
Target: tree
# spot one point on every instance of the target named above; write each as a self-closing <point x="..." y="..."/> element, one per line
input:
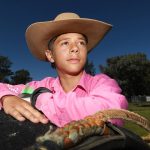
<point x="5" y="70"/>
<point x="89" y="68"/>
<point x="7" y="76"/>
<point x="132" y="73"/>
<point x="20" y="77"/>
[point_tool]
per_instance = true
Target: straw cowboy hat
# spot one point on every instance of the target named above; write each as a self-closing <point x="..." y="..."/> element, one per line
<point x="39" y="34"/>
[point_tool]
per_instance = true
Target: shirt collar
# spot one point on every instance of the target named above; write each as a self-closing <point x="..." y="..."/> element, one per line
<point x="82" y="83"/>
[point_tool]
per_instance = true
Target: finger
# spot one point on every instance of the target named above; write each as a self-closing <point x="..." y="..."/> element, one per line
<point x="43" y="119"/>
<point x="28" y="114"/>
<point x="14" y="113"/>
<point x="37" y="114"/>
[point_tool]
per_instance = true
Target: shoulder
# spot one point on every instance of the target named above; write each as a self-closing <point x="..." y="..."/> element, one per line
<point x="46" y="82"/>
<point x="103" y="81"/>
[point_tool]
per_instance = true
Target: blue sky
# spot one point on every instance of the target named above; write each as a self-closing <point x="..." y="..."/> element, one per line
<point x="130" y="33"/>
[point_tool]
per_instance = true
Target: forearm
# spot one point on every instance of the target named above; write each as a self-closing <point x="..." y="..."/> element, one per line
<point x="79" y="107"/>
<point x="76" y="108"/>
<point x="8" y="90"/>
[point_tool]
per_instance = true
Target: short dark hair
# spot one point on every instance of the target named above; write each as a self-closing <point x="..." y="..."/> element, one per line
<point x="50" y="47"/>
<point x="51" y="42"/>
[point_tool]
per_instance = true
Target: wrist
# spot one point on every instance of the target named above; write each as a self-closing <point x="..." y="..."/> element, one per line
<point x="4" y="98"/>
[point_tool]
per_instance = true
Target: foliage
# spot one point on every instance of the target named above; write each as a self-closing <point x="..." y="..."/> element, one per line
<point x="8" y="76"/>
<point x="5" y="70"/>
<point x="89" y="68"/>
<point x="132" y="73"/>
<point x="21" y="77"/>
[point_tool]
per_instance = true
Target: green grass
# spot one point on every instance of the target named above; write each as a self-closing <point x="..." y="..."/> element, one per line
<point x="141" y="110"/>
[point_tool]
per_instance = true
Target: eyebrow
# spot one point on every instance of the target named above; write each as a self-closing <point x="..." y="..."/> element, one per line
<point x="51" y="41"/>
<point x="80" y="38"/>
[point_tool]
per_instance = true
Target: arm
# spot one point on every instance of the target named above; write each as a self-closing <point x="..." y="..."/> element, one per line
<point x="104" y="94"/>
<point x="84" y="106"/>
<point x="17" y="107"/>
<point x="7" y="89"/>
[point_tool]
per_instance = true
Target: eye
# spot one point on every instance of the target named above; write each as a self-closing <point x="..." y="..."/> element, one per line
<point x="65" y="43"/>
<point x="83" y="43"/>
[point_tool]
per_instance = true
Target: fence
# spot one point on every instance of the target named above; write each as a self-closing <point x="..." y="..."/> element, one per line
<point x="141" y="100"/>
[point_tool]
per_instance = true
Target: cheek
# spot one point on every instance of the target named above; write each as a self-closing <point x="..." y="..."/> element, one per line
<point x="59" y="51"/>
<point x="59" y="57"/>
<point x="84" y="54"/>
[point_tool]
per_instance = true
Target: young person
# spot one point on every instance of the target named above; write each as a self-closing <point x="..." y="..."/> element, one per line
<point x="65" y="42"/>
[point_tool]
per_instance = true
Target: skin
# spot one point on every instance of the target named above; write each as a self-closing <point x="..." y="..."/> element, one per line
<point x="69" y="53"/>
<point x="72" y="49"/>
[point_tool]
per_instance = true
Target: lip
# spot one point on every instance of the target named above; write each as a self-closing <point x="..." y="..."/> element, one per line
<point x="74" y="60"/>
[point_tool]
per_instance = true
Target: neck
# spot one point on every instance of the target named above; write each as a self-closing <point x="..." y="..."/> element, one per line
<point x="69" y="82"/>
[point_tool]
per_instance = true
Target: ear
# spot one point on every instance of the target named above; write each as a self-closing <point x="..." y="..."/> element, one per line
<point x="49" y="55"/>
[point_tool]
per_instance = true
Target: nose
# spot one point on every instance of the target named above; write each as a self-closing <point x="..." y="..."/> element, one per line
<point x="74" y="49"/>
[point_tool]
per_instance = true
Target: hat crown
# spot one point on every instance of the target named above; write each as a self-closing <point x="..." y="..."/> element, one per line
<point x="67" y="22"/>
<point x="66" y="16"/>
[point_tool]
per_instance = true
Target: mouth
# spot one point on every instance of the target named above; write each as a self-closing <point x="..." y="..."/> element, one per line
<point x="73" y="60"/>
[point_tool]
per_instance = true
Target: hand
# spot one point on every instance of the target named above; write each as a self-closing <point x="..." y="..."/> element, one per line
<point x="22" y="110"/>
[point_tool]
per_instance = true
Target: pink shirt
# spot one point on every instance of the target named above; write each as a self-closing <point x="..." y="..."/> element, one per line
<point x="92" y="94"/>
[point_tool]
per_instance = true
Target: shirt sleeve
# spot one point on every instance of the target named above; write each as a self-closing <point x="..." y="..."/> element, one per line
<point x="104" y="94"/>
<point x="17" y="90"/>
<point x="98" y="100"/>
<point x="7" y="89"/>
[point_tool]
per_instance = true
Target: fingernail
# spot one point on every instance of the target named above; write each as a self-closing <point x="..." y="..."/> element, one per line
<point x="44" y="120"/>
<point x="35" y="120"/>
<point x="21" y="118"/>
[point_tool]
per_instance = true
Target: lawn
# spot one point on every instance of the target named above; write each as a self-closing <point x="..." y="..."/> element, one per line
<point x="143" y="111"/>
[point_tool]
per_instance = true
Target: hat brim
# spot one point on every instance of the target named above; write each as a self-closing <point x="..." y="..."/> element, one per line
<point x="38" y="34"/>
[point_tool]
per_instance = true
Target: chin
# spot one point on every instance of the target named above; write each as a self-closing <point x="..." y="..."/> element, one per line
<point x="75" y="72"/>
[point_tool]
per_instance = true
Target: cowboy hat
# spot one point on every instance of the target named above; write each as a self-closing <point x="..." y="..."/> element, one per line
<point x="39" y="34"/>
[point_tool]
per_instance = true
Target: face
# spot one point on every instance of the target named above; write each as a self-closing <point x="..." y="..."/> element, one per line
<point x="69" y="53"/>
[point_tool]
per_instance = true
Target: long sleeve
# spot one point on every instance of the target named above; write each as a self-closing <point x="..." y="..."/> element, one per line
<point x="7" y="89"/>
<point x="77" y="108"/>
<point x="104" y="93"/>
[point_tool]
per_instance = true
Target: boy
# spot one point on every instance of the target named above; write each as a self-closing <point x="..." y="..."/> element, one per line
<point x="65" y="42"/>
